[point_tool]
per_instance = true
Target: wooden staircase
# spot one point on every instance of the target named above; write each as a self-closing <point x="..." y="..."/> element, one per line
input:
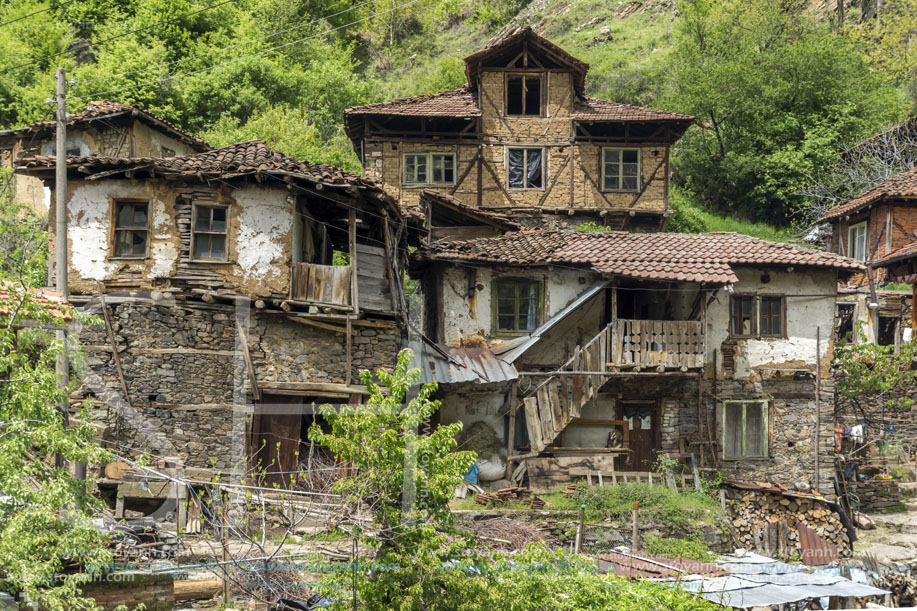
<point x="624" y="344"/>
<point x="557" y="401"/>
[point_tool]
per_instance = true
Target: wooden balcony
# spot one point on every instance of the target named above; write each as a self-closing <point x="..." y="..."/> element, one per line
<point x="325" y="285"/>
<point x="367" y="280"/>
<point x="656" y="344"/>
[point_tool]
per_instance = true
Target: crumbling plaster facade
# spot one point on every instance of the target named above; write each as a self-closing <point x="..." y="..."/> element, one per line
<point x="259" y="238"/>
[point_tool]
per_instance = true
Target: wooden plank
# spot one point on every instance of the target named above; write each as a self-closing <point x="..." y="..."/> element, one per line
<point x="556" y="408"/>
<point x="352" y="234"/>
<point x="546" y="473"/>
<point x="533" y="423"/>
<point x="252" y="379"/>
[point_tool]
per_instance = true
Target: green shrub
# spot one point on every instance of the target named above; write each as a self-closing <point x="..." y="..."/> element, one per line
<point x="689" y="547"/>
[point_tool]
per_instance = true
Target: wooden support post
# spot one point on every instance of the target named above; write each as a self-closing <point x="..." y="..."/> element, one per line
<point x="389" y="260"/>
<point x="349" y="349"/>
<point x="635" y="532"/>
<point x="480" y="193"/>
<point x="511" y="434"/>
<point x="243" y="341"/>
<point x="580" y="533"/>
<point x="817" y="408"/>
<point x="352" y="232"/>
<point x="114" y="346"/>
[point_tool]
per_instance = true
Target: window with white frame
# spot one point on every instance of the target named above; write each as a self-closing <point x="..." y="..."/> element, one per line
<point x="857" y="241"/>
<point x="525" y="168"/>
<point x="209" y="235"/>
<point x="620" y="169"/>
<point x="744" y="429"/>
<point x="428" y="168"/>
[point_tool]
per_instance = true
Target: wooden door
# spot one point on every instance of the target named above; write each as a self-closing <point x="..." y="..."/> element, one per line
<point x="274" y="438"/>
<point x="642" y="420"/>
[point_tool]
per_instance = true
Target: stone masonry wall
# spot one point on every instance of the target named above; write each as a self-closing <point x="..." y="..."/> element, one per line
<point x="183" y="366"/>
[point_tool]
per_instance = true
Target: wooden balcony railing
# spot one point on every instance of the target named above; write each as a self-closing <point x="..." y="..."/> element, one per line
<point x="321" y="284"/>
<point x="669" y="344"/>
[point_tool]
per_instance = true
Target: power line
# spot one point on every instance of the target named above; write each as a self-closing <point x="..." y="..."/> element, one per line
<point x="44" y="10"/>
<point x="240" y="44"/>
<point x="122" y="35"/>
<point x="237" y="59"/>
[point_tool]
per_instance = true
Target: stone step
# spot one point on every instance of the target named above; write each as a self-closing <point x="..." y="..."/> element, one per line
<point x="905" y="523"/>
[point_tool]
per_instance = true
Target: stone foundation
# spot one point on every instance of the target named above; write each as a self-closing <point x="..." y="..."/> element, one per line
<point x="878" y="496"/>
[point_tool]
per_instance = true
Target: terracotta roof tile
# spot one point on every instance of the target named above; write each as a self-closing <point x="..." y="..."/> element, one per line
<point x="459" y="102"/>
<point x="705" y="257"/>
<point x="229" y="161"/>
<point x="500" y="220"/>
<point x="899" y="185"/>
<point x="100" y="109"/>
<point x="905" y="252"/>
<point x="594" y="109"/>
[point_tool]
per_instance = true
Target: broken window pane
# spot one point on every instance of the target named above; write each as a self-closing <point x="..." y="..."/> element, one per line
<point x="130" y="228"/>
<point x="532" y="96"/>
<point x="443" y="168"/>
<point x="209" y="237"/>
<point x="516" y="164"/>
<point x="732" y="429"/>
<point x="741" y="318"/>
<point x="533" y="164"/>
<point x="514" y="95"/>
<point x="517" y="302"/>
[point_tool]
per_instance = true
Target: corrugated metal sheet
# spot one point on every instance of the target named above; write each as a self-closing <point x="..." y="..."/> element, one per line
<point x="510" y="351"/>
<point x="815" y="550"/>
<point x="757" y="581"/>
<point x="644" y="566"/>
<point x="475" y="364"/>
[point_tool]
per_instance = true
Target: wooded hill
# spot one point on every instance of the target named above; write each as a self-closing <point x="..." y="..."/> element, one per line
<point x="777" y="87"/>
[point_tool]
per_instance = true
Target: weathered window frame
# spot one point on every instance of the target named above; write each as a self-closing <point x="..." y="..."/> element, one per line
<point x="542" y="94"/>
<point x="429" y="168"/>
<point x="765" y="429"/>
<point x="753" y="315"/>
<point x="851" y="240"/>
<point x="781" y="299"/>
<point x="525" y="163"/>
<point x="116" y="205"/>
<point x="195" y="209"/>
<point x="519" y="281"/>
<point x="620" y="174"/>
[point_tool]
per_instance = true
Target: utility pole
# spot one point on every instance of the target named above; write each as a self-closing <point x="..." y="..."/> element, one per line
<point x="60" y="273"/>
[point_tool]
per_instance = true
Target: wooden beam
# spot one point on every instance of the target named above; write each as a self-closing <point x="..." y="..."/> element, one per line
<point x="309" y="387"/>
<point x="464" y="174"/>
<point x="349" y="348"/>
<point x="352" y="232"/>
<point x="493" y="175"/>
<point x="114" y="346"/>
<point x="243" y="339"/>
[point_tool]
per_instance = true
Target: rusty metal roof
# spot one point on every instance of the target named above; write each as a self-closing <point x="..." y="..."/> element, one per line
<point x="645" y="566"/>
<point x="471" y="363"/>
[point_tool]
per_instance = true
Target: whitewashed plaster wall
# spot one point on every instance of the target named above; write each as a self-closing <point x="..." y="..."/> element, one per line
<point x="465" y="317"/>
<point x="810" y="304"/>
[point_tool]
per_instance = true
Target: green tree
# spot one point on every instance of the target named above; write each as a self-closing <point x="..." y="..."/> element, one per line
<point x="774" y="92"/>
<point x="48" y="544"/>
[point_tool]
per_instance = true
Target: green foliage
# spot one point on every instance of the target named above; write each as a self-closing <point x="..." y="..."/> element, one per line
<point x="658" y="504"/>
<point x="890" y="40"/>
<point x="688" y="547"/>
<point x="23" y="239"/>
<point x="868" y="372"/>
<point x="592" y="226"/>
<point x="773" y="91"/>
<point x="45" y="513"/>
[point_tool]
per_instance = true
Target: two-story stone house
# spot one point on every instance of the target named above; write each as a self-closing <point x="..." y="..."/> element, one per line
<point x="522" y="137"/>
<point x="104" y="128"/>
<point x="575" y="347"/>
<point x="238" y="287"/>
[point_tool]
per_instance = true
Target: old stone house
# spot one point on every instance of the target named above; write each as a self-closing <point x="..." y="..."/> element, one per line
<point x="237" y="287"/>
<point x="104" y="128"/>
<point x="577" y="347"/>
<point x="522" y="137"/>
<point x="879" y="228"/>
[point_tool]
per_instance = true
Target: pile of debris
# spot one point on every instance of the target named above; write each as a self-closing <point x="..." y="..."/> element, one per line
<point x="513" y="494"/>
<point x="506" y="534"/>
<point x="138" y="540"/>
<point x="570" y="489"/>
<point x="770" y="518"/>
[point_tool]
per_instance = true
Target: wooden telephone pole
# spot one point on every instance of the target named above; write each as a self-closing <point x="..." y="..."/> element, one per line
<point x="60" y="273"/>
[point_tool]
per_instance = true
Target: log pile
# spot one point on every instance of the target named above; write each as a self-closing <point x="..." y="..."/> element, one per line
<point x="513" y="494"/>
<point x="765" y="522"/>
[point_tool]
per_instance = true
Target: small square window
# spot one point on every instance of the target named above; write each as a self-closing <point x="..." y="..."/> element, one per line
<point x="525" y="168"/>
<point x="744" y="429"/>
<point x="209" y="235"/>
<point x="620" y="169"/>
<point x="516" y="304"/>
<point x="131" y="228"/>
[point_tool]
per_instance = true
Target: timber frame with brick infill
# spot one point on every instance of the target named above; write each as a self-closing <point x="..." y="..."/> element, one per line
<point x="596" y="160"/>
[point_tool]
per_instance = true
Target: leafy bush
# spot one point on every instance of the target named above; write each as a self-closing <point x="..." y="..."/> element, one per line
<point x="688" y="547"/>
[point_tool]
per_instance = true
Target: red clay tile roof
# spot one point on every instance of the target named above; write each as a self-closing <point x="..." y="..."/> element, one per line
<point x="704" y="257"/>
<point x="905" y="252"/>
<point x="459" y="102"/>
<point x="902" y="185"/>
<point x="227" y="162"/>
<point x="11" y="295"/>
<point x="594" y="109"/>
<point x="107" y="109"/>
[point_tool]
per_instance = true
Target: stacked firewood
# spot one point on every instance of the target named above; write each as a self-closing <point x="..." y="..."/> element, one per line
<point x="767" y="522"/>
<point x="503" y="496"/>
<point x="570" y="489"/>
